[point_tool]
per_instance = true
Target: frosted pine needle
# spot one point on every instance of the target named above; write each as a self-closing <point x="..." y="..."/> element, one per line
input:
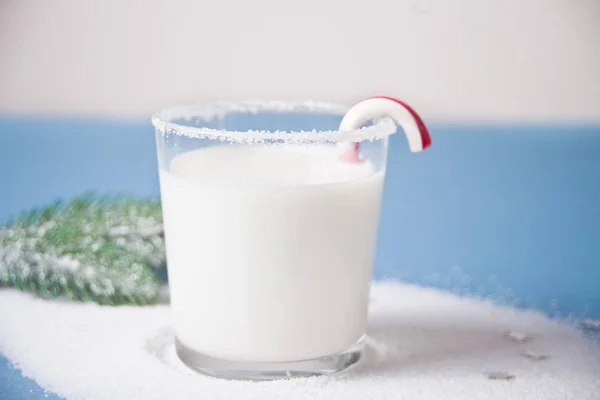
<point x="100" y="249"/>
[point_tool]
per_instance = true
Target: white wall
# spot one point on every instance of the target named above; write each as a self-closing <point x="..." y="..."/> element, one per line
<point x="452" y="59"/>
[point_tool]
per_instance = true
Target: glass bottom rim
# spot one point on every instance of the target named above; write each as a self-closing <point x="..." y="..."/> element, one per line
<point x="265" y="371"/>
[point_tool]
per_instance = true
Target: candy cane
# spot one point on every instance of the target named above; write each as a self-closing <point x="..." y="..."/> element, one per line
<point x="381" y="106"/>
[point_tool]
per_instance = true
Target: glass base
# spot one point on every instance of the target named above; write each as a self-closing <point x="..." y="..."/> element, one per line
<point x="264" y="371"/>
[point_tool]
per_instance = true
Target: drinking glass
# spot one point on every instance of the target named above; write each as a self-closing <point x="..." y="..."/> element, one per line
<point x="270" y="232"/>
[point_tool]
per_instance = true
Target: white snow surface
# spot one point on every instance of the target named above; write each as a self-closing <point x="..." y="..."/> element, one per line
<point x="422" y="344"/>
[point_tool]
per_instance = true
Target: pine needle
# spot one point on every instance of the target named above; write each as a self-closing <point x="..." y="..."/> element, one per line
<point x="108" y="250"/>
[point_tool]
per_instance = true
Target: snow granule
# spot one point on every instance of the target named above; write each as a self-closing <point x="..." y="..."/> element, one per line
<point x="499" y="375"/>
<point x="592" y="324"/>
<point x="519" y="337"/>
<point x="534" y="356"/>
<point x="422" y="344"/>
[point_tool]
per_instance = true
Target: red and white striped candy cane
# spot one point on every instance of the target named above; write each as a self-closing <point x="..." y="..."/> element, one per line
<point x="382" y="106"/>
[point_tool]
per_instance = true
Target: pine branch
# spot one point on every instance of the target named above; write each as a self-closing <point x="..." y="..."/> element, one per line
<point x="101" y="249"/>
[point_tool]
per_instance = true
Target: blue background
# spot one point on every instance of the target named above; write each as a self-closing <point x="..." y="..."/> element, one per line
<point x="510" y="211"/>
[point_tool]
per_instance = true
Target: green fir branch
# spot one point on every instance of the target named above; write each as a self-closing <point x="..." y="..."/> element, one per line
<point x="108" y="250"/>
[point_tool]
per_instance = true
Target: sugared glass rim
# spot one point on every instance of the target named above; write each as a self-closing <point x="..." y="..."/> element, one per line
<point x="163" y="122"/>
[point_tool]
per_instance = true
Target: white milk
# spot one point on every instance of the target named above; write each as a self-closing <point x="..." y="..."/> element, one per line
<point x="270" y="250"/>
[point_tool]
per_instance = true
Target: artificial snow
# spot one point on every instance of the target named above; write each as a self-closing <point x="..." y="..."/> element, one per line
<point x="422" y="344"/>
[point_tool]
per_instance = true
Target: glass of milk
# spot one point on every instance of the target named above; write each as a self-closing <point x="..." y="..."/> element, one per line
<point x="270" y="232"/>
